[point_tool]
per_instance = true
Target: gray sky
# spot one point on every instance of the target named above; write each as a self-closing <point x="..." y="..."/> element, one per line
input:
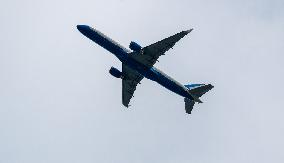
<point x="59" y="104"/>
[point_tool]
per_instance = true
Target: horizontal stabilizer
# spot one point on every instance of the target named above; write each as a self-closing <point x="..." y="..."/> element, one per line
<point x="196" y="90"/>
<point x="188" y="105"/>
<point x="200" y="90"/>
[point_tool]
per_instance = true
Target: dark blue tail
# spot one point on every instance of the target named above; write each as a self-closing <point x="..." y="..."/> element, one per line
<point x="197" y="90"/>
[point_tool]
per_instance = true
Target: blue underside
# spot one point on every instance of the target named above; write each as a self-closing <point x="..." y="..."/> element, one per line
<point x="122" y="54"/>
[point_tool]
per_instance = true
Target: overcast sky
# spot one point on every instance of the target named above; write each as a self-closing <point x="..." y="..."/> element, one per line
<point x="58" y="103"/>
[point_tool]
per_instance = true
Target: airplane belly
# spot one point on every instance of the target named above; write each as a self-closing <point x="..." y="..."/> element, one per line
<point x="104" y="41"/>
<point x="156" y="75"/>
<point x="168" y="82"/>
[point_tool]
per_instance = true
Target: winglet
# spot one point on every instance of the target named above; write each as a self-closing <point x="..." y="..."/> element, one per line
<point x="188" y="31"/>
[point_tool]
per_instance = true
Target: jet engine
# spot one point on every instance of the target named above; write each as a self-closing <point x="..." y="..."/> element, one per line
<point x="134" y="46"/>
<point x="115" y="72"/>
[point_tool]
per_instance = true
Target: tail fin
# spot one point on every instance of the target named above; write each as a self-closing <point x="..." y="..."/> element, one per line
<point x="197" y="90"/>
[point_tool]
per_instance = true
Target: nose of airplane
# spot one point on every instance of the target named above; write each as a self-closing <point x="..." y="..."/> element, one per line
<point x="82" y="28"/>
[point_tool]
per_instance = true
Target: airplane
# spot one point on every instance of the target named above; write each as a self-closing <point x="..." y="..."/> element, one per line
<point x="139" y="63"/>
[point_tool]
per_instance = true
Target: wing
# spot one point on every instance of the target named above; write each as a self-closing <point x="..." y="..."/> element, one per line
<point x="150" y="54"/>
<point x="129" y="82"/>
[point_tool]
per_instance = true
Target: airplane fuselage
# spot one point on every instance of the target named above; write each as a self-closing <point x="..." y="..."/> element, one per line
<point x="124" y="56"/>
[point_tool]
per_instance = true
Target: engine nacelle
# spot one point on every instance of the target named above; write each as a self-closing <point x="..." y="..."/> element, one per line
<point x="115" y="72"/>
<point x="134" y="46"/>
